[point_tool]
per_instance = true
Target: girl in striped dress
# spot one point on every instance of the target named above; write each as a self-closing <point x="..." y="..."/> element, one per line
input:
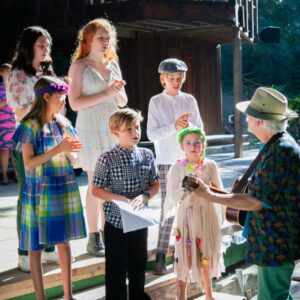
<point x="52" y="213"/>
<point x="7" y="124"/>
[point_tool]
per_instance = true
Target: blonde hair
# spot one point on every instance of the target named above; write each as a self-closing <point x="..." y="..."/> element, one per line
<point x="166" y="74"/>
<point x="38" y="108"/>
<point x="86" y="34"/>
<point x="124" y="116"/>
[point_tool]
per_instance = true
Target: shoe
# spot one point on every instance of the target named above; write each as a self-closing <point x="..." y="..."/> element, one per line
<point x="160" y="264"/>
<point x="95" y="246"/>
<point x="23" y="263"/>
<point x="50" y="257"/>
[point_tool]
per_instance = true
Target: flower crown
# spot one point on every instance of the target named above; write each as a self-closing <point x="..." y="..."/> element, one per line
<point x="53" y="88"/>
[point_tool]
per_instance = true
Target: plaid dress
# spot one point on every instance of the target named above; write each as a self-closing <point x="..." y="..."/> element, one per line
<point x="52" y="211"/>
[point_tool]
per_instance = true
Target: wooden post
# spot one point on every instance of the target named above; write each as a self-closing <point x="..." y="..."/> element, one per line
<point x="237" y="94"/>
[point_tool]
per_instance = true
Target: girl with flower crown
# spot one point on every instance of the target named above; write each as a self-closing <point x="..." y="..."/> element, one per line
<point x="52" y="213"/>
<point x="198" y="255"/>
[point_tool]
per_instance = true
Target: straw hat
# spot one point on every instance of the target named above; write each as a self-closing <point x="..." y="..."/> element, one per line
<point x="267" y="104"/>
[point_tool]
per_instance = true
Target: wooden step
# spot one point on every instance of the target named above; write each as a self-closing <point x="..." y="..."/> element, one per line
<point x="87" y="271"/>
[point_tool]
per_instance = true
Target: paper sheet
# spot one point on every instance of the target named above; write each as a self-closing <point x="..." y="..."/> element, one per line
<point x="134" y="219"/>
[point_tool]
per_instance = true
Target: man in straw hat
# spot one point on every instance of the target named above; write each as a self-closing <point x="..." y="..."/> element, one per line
<point x="272" y="226"/>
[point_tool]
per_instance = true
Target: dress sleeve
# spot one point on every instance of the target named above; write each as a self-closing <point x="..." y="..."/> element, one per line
<point x="19" y="92"/>
<point x="24" y="134"/>
<point x="174" y="190"/>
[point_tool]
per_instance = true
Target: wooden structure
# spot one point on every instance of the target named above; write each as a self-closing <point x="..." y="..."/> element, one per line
<point x="150" y="31"/>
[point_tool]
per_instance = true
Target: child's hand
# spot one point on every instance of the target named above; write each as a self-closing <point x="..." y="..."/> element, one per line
<point x="183" y="121"/>
<point x="138" y="202"/>
<point x="70" y="144"/>
<point x="67" y="80"/>
<point x="115" y="87"/>
<point x="123" y="198"/>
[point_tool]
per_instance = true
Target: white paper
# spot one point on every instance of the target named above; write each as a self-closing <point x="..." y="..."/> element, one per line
<point x="134" y="219"/>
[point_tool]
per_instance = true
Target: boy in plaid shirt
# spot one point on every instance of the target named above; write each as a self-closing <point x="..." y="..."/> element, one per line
<point x="125" y="173"/>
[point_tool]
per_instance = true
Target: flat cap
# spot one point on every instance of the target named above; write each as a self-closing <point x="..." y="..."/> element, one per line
<point x="172" y="65"/>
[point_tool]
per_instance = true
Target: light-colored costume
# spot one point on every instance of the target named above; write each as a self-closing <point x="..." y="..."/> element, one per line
<point x="92" y="122"/>
<point x="197" y="222"/>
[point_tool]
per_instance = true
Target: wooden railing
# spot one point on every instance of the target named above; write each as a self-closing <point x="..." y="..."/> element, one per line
<point x="248" y="17"/>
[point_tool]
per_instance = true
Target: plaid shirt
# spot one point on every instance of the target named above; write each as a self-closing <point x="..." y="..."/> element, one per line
<point x="124" y="172"/>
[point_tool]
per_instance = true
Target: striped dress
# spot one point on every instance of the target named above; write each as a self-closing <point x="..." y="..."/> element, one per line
<point x="52" y="211"/>
<point x="7" y="122"/>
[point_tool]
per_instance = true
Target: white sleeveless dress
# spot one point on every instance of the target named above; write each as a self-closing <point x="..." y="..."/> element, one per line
<point x="92" y="122"/>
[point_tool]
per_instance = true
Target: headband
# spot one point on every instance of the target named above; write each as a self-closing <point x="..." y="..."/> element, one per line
<point x="188" y="130"/>
<point x="53" y="88"/>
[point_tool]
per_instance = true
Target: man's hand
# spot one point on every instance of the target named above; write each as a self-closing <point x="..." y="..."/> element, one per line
<point x="202" y="188"/>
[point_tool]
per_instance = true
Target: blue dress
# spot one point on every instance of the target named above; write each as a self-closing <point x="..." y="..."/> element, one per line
<point x="52" y="211"/>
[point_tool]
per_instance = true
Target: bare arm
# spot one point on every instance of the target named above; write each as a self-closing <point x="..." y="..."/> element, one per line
<point x="104" y="194"/>
<point x="31" y="160"/>
<point x="79" y="101"/>
<point x="237" y="201"/>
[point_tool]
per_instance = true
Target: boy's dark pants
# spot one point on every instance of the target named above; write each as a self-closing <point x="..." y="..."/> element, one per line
<point x="125" y="253"/>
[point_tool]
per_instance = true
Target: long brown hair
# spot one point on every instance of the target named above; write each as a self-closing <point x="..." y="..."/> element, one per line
<point x="39" y="106"/>
<point x="24" y="53"/>
<point x="86" y="34"/>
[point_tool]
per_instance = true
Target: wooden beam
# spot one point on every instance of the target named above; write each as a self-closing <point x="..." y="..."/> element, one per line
<point x="237" y="93"/>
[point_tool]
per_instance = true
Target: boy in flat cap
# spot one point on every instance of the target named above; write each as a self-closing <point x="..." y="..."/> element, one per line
<point x="168" y="113"/>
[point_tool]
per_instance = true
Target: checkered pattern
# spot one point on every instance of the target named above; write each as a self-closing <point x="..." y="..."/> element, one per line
<point x="124" y="172"/>
<point x="51" y="212"/>
<point x="166" y="226"/>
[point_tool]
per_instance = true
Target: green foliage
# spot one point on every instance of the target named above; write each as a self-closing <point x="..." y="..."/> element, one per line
<point x="268" y="64"/>
<point x="294" y="125"/>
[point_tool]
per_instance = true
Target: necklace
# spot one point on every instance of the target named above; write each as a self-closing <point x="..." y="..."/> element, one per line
<point x="192" y="168"/>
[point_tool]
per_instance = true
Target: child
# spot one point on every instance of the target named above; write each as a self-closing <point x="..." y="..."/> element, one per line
<point x="198" y="255"/>
<point x="31" y="59"/>
<point x="97" y="89"/>
<point x="169" y="112"/>
<point x="7" y="124"/>
<point x="51" y="212"/>
<point x="125" y="173"/>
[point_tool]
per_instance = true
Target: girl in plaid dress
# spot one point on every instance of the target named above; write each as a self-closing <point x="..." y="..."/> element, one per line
<point x="52" y="213"/>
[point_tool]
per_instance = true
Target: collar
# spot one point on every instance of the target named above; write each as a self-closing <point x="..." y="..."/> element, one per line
<point x="172" y="97"/>
<point x="118" y="146"/>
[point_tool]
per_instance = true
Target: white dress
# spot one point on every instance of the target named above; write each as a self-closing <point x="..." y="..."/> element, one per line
<point x="92" y="122"/>
<point x="197" y="222"/>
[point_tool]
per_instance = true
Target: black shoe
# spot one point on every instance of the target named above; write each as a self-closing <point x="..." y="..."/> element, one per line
<point x="160" y="264"/>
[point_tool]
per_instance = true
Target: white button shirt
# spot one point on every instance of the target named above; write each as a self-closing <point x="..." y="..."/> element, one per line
<point x="164" y="110"/>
